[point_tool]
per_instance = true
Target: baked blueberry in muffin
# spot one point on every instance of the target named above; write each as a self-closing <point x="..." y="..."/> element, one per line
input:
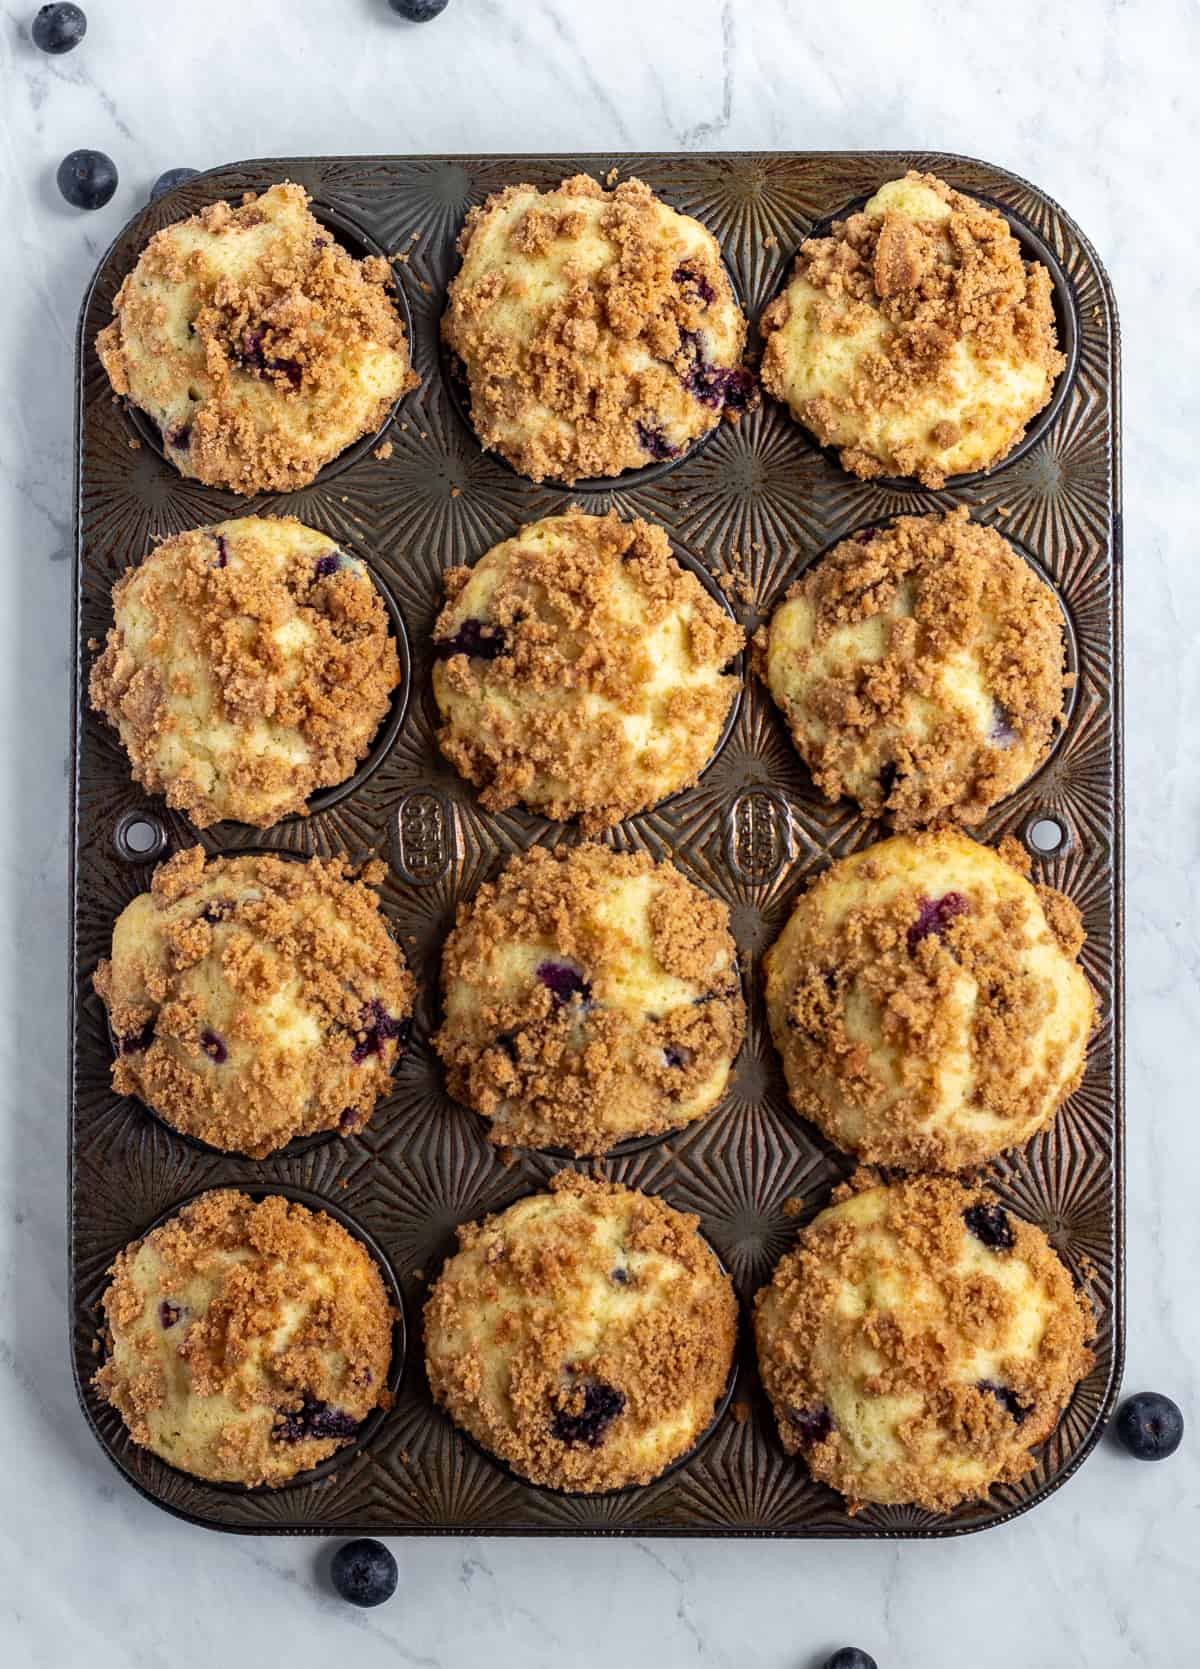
<point x="248" y="1341"/>
<point x="249" y="664"/>
<point x="920" y="669"/>
<point x="597" y="330"/>
<point x="584" y="1336"/>
<point x="910" y="1357"/>
<point x="927" y="1002"/>
<point x="581" y="670"/>
<point x="253" y="1000"/>
<point x="590" y="996"/>
<point x="259" y="347"/>
<point x="915" y="338"/>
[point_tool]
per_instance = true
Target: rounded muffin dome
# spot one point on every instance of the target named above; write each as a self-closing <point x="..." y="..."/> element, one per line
<point x="914" y="338"/>
<point x="597" y="330"/>
<point x="927" y="1002"/>
<point x="589" y="997"/>
<point x="253" y="999"/>
<point x="584" y="1336"/>
<point x="918" y="1343"/>
<point x="581" y="671"/>
<point x="920" y="669"/>
<point x="248" y="1339"/>
<point x="249" y="665"/>
<point x="258" y="346"/>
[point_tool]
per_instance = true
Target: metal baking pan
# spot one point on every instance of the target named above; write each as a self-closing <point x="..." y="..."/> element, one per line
<point x="758" y="501"/>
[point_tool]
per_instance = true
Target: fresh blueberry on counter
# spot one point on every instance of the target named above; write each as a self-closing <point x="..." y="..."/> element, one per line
<point x="168" y="181"/>
<point x="418" y="11"/>
<point x="850" y="1657"/>
<point x="58" y="28"/>
<point x="364" y="1572"/>
<point x="87" y="179"/>
<point x="1150" y="1426"/>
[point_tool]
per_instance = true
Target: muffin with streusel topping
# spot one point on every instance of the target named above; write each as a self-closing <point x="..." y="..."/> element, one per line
<point x="920" y="669"/>
<point x="581" y="670"/>
<point x="590" y="996"/>
<point x="919" y="1342"/>
<point x="249" y="665"/>
<point x="927" y="1002"/>
<point x="584" y="1336"/>
<point x="248" y="1340"/>
<point x="254" y="999"/>
<point x="915" y="338"/>
<point x="256" y="344"/>
<point x="596" y="330"/>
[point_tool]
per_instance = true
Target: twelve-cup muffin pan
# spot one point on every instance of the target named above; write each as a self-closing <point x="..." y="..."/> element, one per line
<point x="751" y="507"/>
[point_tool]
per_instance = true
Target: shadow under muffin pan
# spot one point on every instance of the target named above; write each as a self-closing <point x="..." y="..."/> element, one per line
<point x="1066" y="325"/>
<point x="358" y="243"/>
<point x="350" y="1450"/>
<point x="751" y="833"/>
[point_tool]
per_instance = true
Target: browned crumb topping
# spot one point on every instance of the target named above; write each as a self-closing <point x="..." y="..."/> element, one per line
<point x="231" y="1323"/>
<point x="980" y="1348"/>
<point x="889" y="730"/>
<point x="584" y="1337"/>
<point x="580" y="615"/>
<point x="611" y="1047"/>
<point x="254" y="999"/>
<point x="203" y="650"/>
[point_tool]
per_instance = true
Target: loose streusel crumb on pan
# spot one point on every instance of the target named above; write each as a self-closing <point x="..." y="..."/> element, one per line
<point x="584" y="1336"/>
<point x="597" y="329"/>
<point x="928" y="1003"/>
<point x="920" y="669"/>
<point x="919" y="1342"/>
<point x="254" y="999"/>
<point x="259" y="347"/>
<point x="590" y="996"/>
<point x="249" y="1340"/>
<point x="915" y="338"/>
<point x="249" y="665"/>
<point x="581" y="670"/>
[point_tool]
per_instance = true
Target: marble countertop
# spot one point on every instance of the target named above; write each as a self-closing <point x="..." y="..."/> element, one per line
<point x="1097" y="104"/>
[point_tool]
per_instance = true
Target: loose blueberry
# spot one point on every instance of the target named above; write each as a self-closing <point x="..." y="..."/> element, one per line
<point x="87" y="179"/>
<point x="813" y="1425"/>
<point x="168" y="1313"/>
<point x="379" y="1027"/>
<point x="134" y="1042"/>
<point x="1007" y="1399"/>
<point x="990" y="1224"/>
<point x="1150" y="1426"/>
<point x="652" y="440"/>
<point x="482" y="643"/>
<point x="850" y="1657"/>
<point x="564" y="980"/>
<point x="691" y="279"/>
<point x="601" y="1405"/>
<point x="935" y="915"/>
<point x="676" y="1055"/>
<point x="58" y="29"/>
<point x="313" y="1419"/>
<point x="213" y="1047"/>
<point x="168" y="181"/>
<point x="418" y="11"/>
<point x="363" y="1571"/>
<point x="1002" y="733"/>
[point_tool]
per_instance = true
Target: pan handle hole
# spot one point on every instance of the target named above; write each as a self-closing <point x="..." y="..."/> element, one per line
<point x="139" y="837"/>
<point x="1046" y="835"/>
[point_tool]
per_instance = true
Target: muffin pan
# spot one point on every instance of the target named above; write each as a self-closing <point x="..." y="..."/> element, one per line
<point x="753" y="506"/>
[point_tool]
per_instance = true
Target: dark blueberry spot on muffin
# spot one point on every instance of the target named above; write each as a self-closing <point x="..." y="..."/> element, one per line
<point x="651" y="439"/>
<point x="564" y="980"/>
<point x="320" y="243"/>
<point x="168" y="1313"/>
<point x="676" y="1055"/>
<point x="213" y="1047"/>
<point x="990" y="1224"/>
<point x="887" y="779"/>
<point x="218" y="909"/>
<point x="222" y="552"/>
<point x="620" y="1276"/>
<point x="313" y="1419"/>
<point x="328" y="564"/>
<point x="722" y="387"/>
<point x="1002" y="733"/>
<point x="352" y="1119"/>
<point x="1007" y="1399"/>
<point x="935" y="915"/>
<point x="252" y="357"/>
<point x="724" y="995"/>
<point x="602" y="1403"/>
<point x="134" y="1042"/>
<point x="180" y="437"/>
<point x="481" y="642"/>
<point x="693" y="280"/>
<point x="811" y="1425"/>
<point x="379" y="1027"/>
<point x="863" y="536"/>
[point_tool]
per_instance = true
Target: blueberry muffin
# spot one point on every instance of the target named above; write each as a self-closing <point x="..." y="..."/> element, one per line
<point x="249" y="664"/>
<point x="597" y="330"/>
<point x="920" y="669"/>
<point x="581" y="671"/>
<point x="927" y="1002"/>
<point x="584" y="1336"/>
<point x="259" y="347"/>
<point x="918" y="1343"/>
<point x="247" y="1341"/>
<point x="590" y="996"/>
<point x="915" y="338"/>
<point x="253" y="999"/>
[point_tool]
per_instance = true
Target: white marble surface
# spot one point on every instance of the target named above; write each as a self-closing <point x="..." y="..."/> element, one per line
<point x="1095" y="102"/>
